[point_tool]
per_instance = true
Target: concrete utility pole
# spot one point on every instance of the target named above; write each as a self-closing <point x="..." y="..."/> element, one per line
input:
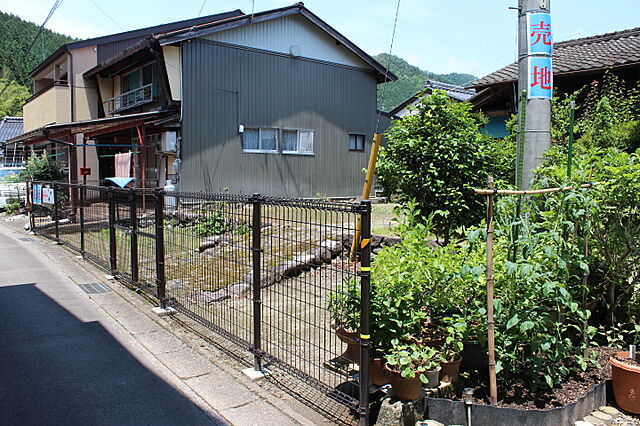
<point x="535" y="80"/>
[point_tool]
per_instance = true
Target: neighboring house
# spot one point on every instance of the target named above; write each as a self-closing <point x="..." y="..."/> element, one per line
<point x="13" y="154"/>
<point x="276" y="102"/>
<point x="576" y="63"/>
<point x="457" y="93"/>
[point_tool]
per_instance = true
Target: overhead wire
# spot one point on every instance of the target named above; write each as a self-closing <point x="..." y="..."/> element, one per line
<point x="107" y="15"/>
<point x="55" y="6"/>
<point x="386" y="71"/>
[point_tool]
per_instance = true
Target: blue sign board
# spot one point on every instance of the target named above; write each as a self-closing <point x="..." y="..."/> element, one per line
<point x="540" y="41"/>
<point x="540" y="77"/>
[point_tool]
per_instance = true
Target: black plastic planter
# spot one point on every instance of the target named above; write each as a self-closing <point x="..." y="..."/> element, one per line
<point x="454" y="412"/>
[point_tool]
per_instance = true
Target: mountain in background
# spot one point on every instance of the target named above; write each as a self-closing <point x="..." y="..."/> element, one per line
<point x="411" y="79"/>
<point x="15" y="37"/>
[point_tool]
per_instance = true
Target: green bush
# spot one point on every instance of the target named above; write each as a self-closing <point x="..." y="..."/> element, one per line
<point x="42" y="168"/>
<point x="437" y="157"/>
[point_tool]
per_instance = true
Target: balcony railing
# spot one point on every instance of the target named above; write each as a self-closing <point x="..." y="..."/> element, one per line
<point x="133" y="98"/>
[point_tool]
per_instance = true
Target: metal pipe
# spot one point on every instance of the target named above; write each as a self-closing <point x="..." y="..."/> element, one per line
<point x="365" y="302"/>
<point x="160" y="271"/>
<point x="256" y="251"/>
<point x="112" y="232"/>
<point x="133" y="216"/>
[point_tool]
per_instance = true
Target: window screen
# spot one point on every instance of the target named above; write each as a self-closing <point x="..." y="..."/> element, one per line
<point x="290" y="140"/>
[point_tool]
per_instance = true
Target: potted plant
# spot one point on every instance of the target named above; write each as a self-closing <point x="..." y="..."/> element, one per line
<point x="344" y="309"/>
<point x="454" y="329"/>
<point x="409" y="367"/>
<point x="625" y="377"/>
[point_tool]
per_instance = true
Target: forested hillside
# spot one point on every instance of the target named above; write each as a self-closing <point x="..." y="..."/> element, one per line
<point x="410" y="80"/>
<point x="17" y="58"/>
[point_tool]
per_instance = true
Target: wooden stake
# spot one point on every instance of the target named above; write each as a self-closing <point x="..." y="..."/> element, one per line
<point x="366" y="191"/>
<point x="493" y="386"/>
<point x="531" y="191"/>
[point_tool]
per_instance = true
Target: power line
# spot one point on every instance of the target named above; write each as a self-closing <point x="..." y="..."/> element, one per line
<point x="107" y="15"/>
<point x="386" y="71"/>
<point x="33" y="42"/>
<point x="202" y="7"/>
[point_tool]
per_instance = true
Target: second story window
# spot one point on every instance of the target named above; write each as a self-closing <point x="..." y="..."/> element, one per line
<point x="137" y="78"/>
<point x="137" y="87"/>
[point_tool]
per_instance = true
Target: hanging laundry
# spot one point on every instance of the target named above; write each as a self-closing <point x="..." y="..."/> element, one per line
<point x="123" y="164"/>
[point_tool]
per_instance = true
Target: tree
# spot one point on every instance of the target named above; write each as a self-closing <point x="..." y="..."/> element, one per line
<point x="42" y="168"/>
<point x="12" y="98"/>
<point x="437" y="157"/>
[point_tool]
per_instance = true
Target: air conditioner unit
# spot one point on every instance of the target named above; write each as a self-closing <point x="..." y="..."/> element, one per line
<point x="168" y="141"/>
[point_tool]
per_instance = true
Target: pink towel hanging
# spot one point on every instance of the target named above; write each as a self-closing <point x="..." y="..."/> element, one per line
<point x="123" y="165"/>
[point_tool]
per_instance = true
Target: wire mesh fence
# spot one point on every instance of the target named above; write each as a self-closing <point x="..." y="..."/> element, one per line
<point x="260" y="272"/>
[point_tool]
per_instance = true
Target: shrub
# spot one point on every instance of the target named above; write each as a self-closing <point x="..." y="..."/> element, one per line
<point x="436" y="157"/>
<point x="42" y="168"/>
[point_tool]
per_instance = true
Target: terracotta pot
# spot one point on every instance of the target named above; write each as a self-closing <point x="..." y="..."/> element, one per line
<point x="450" y="369"/>
<point x="352" y="354"/>
<point x="626" y="383"/>
<point x="404" y="389"/>
<point x="377" y="372"/>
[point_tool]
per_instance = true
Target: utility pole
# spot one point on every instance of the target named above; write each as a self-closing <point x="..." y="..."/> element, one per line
<point x="535" y="82"/>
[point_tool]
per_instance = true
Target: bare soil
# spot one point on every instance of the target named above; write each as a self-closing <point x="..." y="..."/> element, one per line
<point x="519" y="395"/>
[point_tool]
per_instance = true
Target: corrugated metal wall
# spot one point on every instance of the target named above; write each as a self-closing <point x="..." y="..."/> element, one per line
<point x="225" y="86"/>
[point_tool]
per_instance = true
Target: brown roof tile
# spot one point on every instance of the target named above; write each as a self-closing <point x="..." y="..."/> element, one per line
<point x="582" y="54"/>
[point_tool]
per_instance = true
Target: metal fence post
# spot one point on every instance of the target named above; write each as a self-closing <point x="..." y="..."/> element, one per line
<point x="160" y="273"/>
<point x="83" y="197"/>
<point x="112" y="231"/>
<point x="256" y="250"/>
<point x="56" y="212"/>
<point x="365" y="302"/>
<point x="32" y="219"/>
<point x="133" y="216"/>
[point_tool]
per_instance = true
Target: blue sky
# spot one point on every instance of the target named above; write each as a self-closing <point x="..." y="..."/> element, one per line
<point x="470" y="36"/>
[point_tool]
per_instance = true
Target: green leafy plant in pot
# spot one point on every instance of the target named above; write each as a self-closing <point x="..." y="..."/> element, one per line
<point x="344" y="309"/>
<point x="454" y="330"/>
<point x="410" y="366"/>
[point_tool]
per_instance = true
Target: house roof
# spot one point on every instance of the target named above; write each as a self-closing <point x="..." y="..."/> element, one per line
<point x="127" y="35"/>
<point x="458" y="93"/>
<point x="296" y="9"/>
<point x="10" y="127"/>
<point x="611" y="50"/>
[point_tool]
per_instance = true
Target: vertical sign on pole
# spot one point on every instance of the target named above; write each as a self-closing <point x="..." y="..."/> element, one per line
<point x="539" y="50"/>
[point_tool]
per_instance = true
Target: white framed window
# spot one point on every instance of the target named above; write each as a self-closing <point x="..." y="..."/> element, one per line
<point x="297" y="141"/>
<point x="264" y="140"/>
<point x="356" y="142"/>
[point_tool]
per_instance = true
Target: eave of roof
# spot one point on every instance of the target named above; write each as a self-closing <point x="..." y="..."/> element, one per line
<point x="77" y="126"/>
<point x="384" y="74"/>
<point x="156" y="29"/>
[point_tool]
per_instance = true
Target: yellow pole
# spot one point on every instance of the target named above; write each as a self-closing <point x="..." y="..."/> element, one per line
<point x="366" y="191"/>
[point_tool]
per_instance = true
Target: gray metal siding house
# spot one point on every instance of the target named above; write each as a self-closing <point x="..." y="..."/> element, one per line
<point x="266" y="90"/>
<point x="276" y="105"/>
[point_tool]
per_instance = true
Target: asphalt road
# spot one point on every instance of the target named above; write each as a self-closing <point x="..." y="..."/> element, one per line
<point x="61" y="362"/>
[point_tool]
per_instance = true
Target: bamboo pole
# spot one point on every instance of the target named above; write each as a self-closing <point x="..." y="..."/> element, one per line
<point x="531" y="191"/>
<point x="493" y="385"/>
<point x="366" y="191"/>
